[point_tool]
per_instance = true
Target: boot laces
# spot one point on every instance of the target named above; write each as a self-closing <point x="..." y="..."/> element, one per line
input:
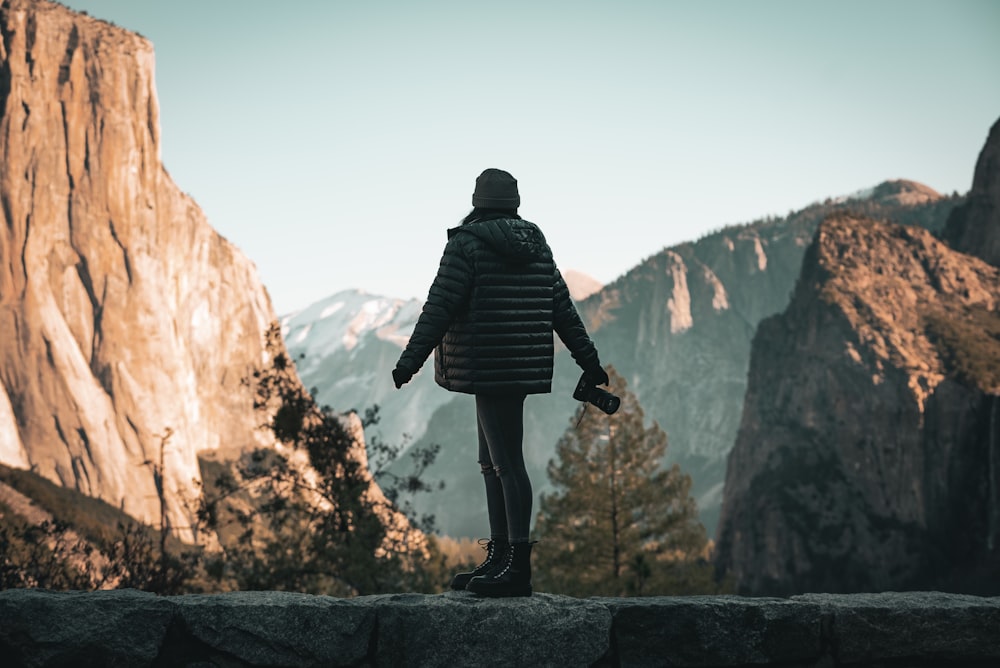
<point x="508" y="562"/>
<point x="490" y="547"/>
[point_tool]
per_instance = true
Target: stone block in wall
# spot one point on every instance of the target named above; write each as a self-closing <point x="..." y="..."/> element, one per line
<point x="932" y="627"/>
<point x="714" y="631"/>
<point x="461" y="629"/>
<point x="269" y="628"/>
<point x="132" y="628"/>
<point x="111" y="628"/>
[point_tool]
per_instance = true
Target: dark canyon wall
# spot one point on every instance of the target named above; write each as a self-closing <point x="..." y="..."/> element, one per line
<point x="974" y="227"/>
<point x="868" y="455"/>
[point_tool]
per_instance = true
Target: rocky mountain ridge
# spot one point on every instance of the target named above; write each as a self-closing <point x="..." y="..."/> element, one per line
<point x="974" y="227"/>
<point x="344" y="347"/>
<point x="346" y="344"/>
<point x="866" y="458"/>
<point x="868" y="455"/>
<point x="678" y="326"/>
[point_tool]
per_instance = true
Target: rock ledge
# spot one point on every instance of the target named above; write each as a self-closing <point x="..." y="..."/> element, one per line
<point x="131" y="628"/>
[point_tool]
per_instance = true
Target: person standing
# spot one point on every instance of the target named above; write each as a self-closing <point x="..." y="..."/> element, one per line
<point x="489" y="318"/>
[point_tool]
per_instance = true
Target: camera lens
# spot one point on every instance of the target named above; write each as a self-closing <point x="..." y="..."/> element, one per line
<point x="586" y="391"/>
<point x="609" y="403"/>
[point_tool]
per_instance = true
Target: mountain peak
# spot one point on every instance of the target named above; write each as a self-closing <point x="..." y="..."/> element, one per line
<point x="904" y="192"/>
<point x="580" y="285"/>
<point x="346" y="318"/>
<point x="892" y="193"/>
<point x="974" y="228"/>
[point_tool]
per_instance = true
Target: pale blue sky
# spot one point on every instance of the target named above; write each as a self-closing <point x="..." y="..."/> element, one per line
<point x="334" y="142"/>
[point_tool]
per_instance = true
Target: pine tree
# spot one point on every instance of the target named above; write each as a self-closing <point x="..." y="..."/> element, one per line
<point x="618" y="523"/>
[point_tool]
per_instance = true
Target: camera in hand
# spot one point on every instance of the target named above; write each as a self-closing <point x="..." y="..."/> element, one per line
<point x="587" y="390"/>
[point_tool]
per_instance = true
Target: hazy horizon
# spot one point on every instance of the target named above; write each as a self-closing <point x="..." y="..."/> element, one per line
<point x="334" y="143"/>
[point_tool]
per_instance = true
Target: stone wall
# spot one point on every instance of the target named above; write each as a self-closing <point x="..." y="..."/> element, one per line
<point x="131" y="628"/>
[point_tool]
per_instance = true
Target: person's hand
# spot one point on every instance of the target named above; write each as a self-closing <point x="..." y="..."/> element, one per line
<point x="599" y="376"/>
<point x="401" y="376"/>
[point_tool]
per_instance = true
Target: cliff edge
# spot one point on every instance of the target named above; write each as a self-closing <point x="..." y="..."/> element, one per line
<point x="974" y="227"/>
<point x="868" y="455"/>
<point x="126" y="322"/>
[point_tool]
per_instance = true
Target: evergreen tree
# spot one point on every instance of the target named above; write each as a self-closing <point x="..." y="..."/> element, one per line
<point x="321" y="528"/>
<point x="618" y="523"/>
<point x="303" y="515"/>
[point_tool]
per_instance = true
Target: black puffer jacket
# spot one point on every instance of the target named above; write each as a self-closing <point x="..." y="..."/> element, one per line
<point x="491" y="311"/>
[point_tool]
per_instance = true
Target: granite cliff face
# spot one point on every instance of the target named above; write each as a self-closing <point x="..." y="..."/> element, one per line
<point x="126" y="322"/>
<point x="974" y="228"/>
<point x="868" y="454"/>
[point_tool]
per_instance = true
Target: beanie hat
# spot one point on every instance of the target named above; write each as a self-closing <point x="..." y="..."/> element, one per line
<point x="496" y="189"/>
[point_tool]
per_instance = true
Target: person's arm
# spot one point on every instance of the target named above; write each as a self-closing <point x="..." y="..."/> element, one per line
<point x="448" y="294"/>
<point x="567" y="324"/>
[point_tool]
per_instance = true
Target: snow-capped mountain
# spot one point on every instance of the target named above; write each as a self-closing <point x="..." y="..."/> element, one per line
<point x="345" y="347"/>
<point x="343" y="320"/>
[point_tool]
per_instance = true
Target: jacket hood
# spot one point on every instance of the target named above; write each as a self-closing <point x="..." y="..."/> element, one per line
<point x="515" y="239"/>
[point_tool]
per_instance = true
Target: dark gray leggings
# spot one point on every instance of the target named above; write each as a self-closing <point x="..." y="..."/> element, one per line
<point x="508" y="491"/>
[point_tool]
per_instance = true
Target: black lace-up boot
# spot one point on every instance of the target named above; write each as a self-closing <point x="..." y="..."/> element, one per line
<point x="513" y="578"/>
<point x="495" y="551"/>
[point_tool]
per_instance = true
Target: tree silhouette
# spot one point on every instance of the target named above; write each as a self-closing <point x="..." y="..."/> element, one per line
<point x="306" y="515"/>
<point x="302" y="515"/>
<point x="618" y="523"/>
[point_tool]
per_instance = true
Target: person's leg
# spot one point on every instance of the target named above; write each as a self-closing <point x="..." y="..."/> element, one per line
<point x="501" y="425"/>
<point x="496" y="508"/>
<point x="501" y="422"/>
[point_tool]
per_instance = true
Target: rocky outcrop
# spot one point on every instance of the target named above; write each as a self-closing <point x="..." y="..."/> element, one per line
<point x="868" y="455"/>
<point x="126" y="322"/>
<point x="129" y="628"/>
<point x="974" y="227"/>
